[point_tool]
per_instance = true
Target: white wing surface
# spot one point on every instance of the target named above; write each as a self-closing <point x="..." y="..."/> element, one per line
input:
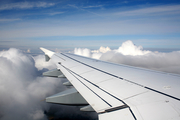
<point x="119" y="92"/>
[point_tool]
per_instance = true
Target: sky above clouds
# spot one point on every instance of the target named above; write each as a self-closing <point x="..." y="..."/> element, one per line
<point x="66" y="24"/>
<point x="139" y="33"/>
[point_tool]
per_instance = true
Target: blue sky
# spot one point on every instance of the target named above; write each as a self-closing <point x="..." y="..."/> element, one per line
<point x="66" y="24"/>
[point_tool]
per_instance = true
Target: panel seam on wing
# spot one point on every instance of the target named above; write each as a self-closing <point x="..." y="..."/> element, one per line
<point x="70" y="71"/>
<point x="86" y="85"/>
<point x="124" y="79"/>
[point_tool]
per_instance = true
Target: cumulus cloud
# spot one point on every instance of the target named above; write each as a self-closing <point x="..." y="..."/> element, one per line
<point x="91" y="53"/>
<point x="83" y="51"/>
<point x="102" y="50"/>
<point x="128" y="48"/>
<point x="133" y="55"/>
<point x="22" y="88"/>
<point x="41" y="63"/>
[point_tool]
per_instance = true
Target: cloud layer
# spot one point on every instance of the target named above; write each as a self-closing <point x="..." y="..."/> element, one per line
<point x="22" y="88"/>
<point x="133" y="55"/>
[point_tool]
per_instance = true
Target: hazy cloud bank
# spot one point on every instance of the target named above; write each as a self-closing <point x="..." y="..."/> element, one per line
<point x="133" y="55"/>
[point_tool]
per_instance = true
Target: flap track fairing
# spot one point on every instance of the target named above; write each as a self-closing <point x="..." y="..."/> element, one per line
<point x="87" y="109"/>
<point x="68" y="97"/>
<point x="54" y="73"/>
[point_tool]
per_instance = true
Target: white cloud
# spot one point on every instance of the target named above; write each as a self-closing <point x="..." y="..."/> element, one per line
<point x="153" y="10"/>
<point x="128" y="48"/>
<point x="84" y="52"/>
<point x="40" y="63"/>
<point x="25" y="5"/>
<point x="102" y="49"/>
<point x="22" y="88"/>
<point x="38" y="114"/>
<point x="133" y="55"/>
<point x="91" y="53"/>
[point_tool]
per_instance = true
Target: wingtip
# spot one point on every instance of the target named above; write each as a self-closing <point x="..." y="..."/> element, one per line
<point x="47" y="52"/>
<point x="43" y="49"/>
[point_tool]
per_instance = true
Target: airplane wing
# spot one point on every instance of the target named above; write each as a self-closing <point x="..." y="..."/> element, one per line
<point x="115" y="91"/>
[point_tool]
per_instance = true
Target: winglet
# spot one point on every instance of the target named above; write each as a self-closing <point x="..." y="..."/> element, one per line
<point x="48" y="53"/>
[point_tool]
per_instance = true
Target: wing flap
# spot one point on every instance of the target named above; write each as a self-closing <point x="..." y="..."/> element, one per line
<point x="122" y="114"/>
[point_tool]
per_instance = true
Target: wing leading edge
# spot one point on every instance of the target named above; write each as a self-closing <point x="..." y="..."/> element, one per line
<point x="119" y="91"/>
